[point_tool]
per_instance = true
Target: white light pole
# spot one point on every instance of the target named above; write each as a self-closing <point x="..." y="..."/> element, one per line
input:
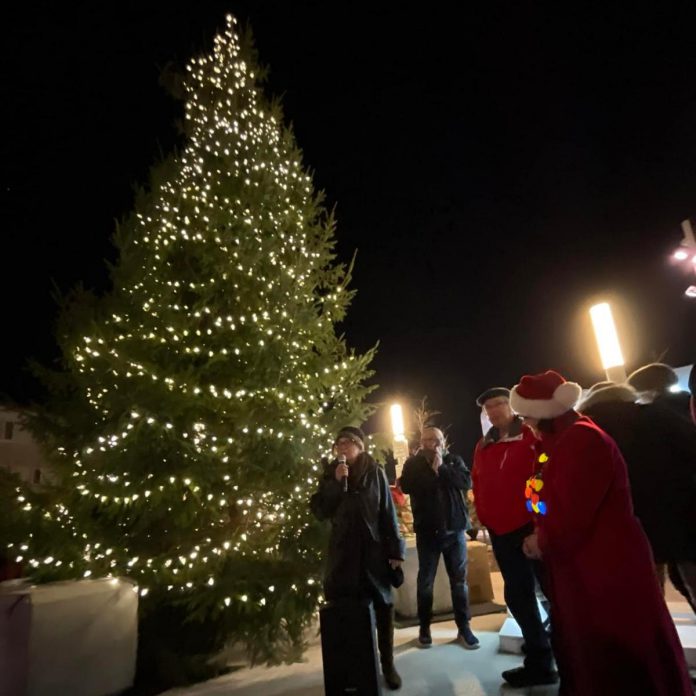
<point x="399" y="439"/>
<point x="608" y="342"/>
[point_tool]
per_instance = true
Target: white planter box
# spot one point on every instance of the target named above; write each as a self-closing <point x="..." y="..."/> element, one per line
<point x="68" y="638"/>
<point x="478" y="579"/>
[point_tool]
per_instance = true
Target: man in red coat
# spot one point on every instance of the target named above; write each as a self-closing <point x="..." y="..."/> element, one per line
<point x="612" y="633"/>
<point x="503" y="461"/>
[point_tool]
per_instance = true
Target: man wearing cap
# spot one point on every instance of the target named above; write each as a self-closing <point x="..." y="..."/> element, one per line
<point x="503" y="461"/>
<point x="612" y="633"/>
<point x="437" y="482"/>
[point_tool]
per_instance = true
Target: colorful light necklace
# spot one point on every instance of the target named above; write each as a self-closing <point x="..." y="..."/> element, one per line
<point x="534" y="485"/>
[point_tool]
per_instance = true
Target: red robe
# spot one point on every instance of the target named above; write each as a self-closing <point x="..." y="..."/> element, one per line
<point x="612" y="632"/>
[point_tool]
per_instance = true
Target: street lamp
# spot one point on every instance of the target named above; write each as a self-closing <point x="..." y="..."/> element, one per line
<point x="608" y="342"/>
<point x="686" y="253"/>
<point x="400" y="443"/>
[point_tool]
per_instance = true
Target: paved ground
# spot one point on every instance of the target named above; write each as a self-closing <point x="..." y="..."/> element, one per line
<point x="446" y="669"/>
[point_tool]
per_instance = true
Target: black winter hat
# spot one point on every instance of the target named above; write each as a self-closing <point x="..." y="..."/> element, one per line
<point x="352" y="433"/>
<point x="492" y="394"/>
<point x="653" y="377"/>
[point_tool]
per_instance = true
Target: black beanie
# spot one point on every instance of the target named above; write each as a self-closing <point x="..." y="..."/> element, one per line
<point x="352" y="433"/>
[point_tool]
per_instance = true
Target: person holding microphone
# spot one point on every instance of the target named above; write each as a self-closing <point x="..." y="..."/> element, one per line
<point x="438" y="481"/>
<point x="365" y="548"/>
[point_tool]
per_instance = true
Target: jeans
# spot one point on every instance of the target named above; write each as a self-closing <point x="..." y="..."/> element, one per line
<point x="452" y="546"/>
<point x="520" y="575"/>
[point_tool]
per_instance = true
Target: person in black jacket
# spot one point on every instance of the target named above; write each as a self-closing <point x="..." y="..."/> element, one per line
<point x="365" y="547"/>
<point x="659" y="447"/>
<point x="655" y="382"/>
<point x="437" y="482"/>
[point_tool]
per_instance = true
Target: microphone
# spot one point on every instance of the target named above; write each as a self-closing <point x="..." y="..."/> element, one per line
<point x="344" y="479"/>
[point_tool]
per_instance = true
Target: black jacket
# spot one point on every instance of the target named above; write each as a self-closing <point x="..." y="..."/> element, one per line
<point x="677" y="402"/>
<point x="364" y="533"/>
<point x="437" y="500"/>
<point x="659" y="447"/>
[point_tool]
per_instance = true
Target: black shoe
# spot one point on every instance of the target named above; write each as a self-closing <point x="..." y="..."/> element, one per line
<point x="391" y="676"/>
<point x="425" y="640"/>
<point x="523" y="676"/>
<point x="468" y="639"/>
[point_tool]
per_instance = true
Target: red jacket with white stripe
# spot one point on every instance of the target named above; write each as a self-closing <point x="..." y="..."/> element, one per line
<point x="499" y="475"/>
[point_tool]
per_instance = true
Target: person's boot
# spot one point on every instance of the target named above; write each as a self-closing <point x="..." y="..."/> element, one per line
<point x="425" y="639"/>
<point x="425" y="615"/>
<point x="521" y="677"/>
<point x="466" y="637"/>
<point x="384" y="616"/>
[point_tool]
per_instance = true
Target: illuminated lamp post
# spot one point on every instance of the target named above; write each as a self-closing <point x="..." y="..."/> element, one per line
<point x="400" y="443"/>
<point x="608" y="342"/>
<point x="686" y="253"/>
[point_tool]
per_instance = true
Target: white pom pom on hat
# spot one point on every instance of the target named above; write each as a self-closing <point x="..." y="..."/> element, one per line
<point x="546" y="395"/>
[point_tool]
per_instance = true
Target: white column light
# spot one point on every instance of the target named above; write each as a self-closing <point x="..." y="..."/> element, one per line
<point x="400" y="442"/>
<point x="608" y="342"/>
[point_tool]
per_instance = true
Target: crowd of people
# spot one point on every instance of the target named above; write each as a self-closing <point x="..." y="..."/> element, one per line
<point x="590" y="499"/>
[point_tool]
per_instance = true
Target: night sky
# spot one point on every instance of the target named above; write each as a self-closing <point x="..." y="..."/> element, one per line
<point x="496" y="170"/>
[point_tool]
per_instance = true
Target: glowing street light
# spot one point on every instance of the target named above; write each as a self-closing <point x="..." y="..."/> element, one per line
<point x="397" y="419"/>
<point x="400" y="443"/>
<point x="608" y="342"/>
<point x="687" y="252"/>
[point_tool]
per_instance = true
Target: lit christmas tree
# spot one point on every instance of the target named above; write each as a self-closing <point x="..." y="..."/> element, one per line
<point x="201" y="392"/>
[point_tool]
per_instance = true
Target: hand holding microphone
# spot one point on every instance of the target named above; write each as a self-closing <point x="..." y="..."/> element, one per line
<point x="437" y="461"/>
<point x="342" y="472"/>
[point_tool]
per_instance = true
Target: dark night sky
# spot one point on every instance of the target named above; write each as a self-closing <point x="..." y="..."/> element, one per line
<point x="497" y="170"/>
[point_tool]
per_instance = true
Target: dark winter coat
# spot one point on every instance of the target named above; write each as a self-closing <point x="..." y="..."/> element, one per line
<point x="677" y="402"/>
<point x="659" y="448"/>
<point x="612" y="633"/>
<point x="437" y="500"/>
<point x="364" y="532"/>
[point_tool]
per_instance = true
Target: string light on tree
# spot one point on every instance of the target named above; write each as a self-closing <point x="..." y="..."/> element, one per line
<point x="204" y="387"/>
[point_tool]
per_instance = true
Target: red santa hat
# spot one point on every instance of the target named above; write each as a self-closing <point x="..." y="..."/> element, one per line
<point x="545" y="395"/>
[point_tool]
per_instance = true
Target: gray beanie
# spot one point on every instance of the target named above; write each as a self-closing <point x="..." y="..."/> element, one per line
<point x="653" y="377"/>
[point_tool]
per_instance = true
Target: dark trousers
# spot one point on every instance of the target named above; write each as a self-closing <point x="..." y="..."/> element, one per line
<point x="452" y="546"/>
<point x="520" y="575"/>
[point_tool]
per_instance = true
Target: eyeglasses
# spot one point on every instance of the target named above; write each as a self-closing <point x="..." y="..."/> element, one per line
<point x="432" y="439"/>
<point x="345" y="441"/>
